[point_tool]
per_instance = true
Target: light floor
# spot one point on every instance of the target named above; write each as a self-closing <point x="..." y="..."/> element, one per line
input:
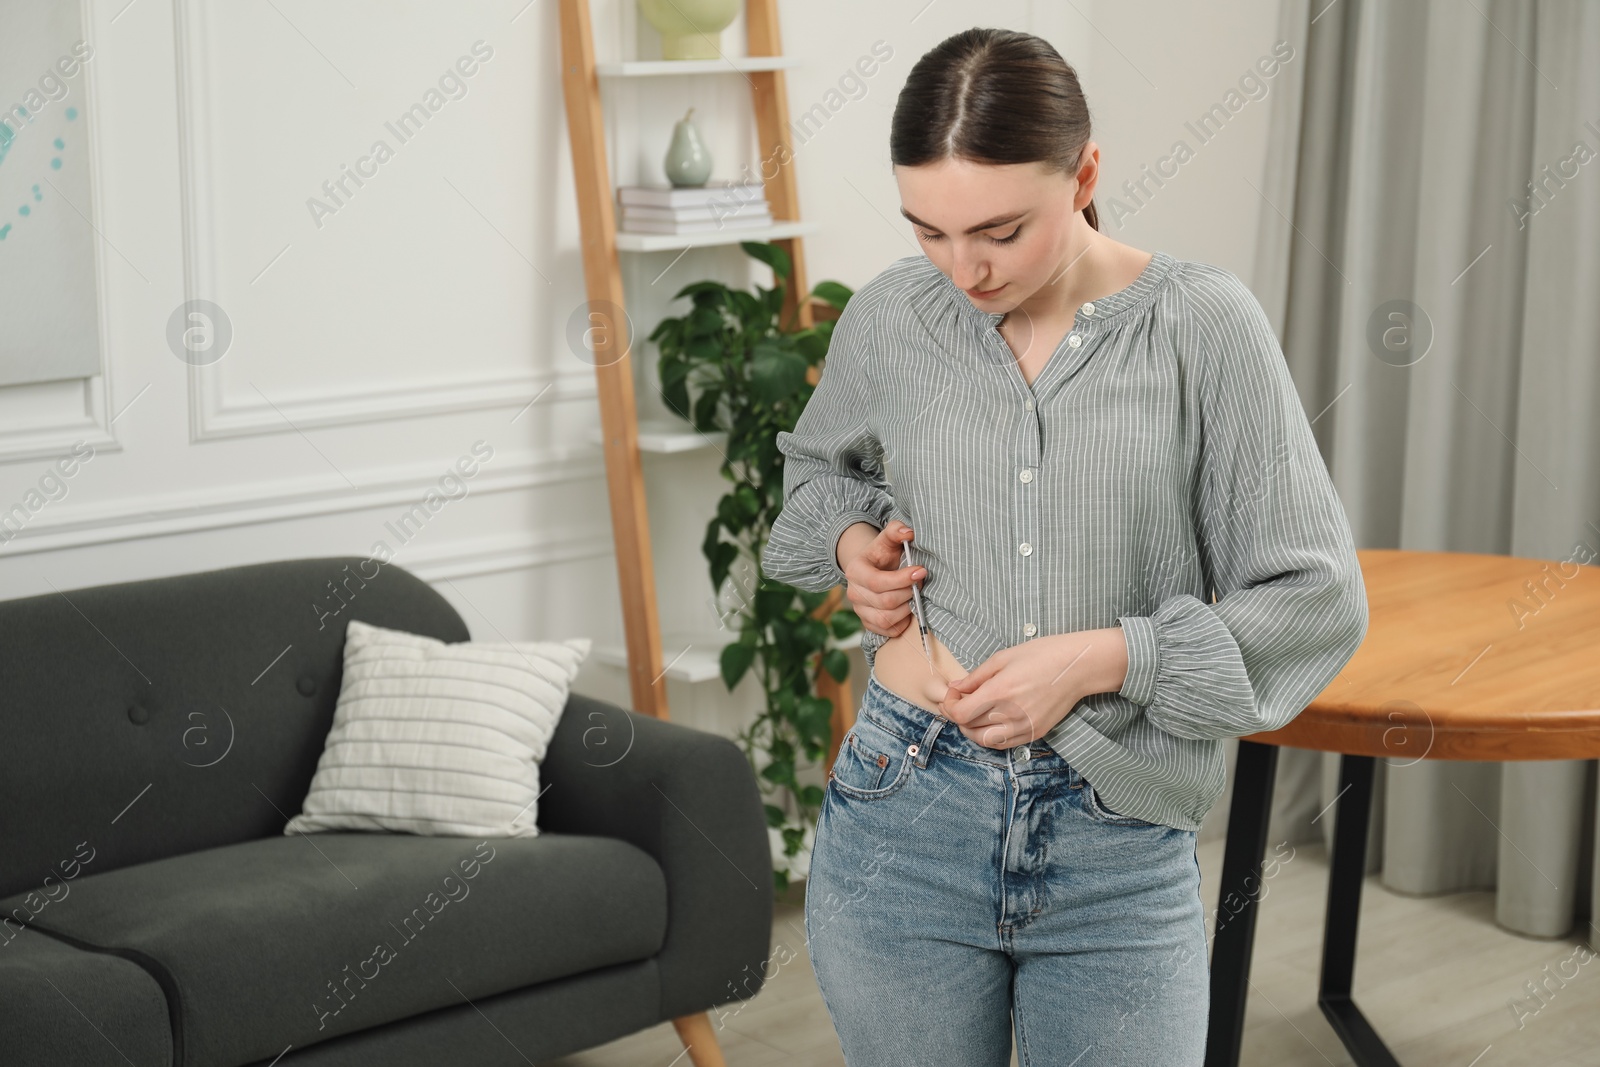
<point x="1434" y="975"/>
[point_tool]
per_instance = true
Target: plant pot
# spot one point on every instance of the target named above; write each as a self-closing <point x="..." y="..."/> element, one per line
<point x="690" y="29"/>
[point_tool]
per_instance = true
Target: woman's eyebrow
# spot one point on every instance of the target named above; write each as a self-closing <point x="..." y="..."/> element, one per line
<point x="998" y="220"/>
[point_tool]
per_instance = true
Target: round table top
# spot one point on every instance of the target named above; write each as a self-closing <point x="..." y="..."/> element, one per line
<point x="1466" y="657"/>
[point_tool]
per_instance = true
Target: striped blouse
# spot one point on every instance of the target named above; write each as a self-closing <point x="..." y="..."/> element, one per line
<point x="1159" y="474"/>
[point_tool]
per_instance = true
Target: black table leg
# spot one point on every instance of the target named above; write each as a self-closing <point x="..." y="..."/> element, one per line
<point x="1235" y="930"/>
<point x="1348" y="868"/>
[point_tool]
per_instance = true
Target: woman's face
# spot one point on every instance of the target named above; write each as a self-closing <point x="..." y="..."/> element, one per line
<point x="1023" y="218"/>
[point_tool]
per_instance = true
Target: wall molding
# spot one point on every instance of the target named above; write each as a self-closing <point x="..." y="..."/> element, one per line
<point x="52" y="441"/>
<point x="213" y="420"/>
<point x="482" y="556"/>
<point x="468" y="558"/>
<point x="216" y="507"/>
<point x="212" y="414"/>
<point x="92" y="421"/>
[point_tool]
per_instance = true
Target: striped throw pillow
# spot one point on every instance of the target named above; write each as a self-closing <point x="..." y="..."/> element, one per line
<point x="436" y="738"/>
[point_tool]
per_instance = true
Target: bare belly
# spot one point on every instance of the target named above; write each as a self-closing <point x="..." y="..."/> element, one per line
<point x="903" y="668"/>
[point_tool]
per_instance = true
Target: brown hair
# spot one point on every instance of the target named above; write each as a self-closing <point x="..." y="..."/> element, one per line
<point x="992" y="96"/>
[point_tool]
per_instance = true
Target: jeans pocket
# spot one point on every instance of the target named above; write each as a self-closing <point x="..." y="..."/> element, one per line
<point x="1096" y="807"/>
<point x="873" y="762"/>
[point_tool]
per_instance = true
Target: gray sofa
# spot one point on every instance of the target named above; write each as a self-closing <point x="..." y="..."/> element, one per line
<point x="160" y="733"/>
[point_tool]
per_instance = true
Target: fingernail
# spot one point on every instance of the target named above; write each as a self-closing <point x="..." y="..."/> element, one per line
<point x="919" y="573"/>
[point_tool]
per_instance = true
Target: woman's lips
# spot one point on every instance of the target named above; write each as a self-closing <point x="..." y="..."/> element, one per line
<point x="983" y="294"/>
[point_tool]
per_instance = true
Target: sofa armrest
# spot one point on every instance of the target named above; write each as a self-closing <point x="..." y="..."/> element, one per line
<point x="689" y="799"/>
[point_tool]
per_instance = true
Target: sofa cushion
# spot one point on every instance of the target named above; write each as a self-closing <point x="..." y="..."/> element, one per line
<point x="436" y="737"/>
<point x="66" y="1005"/>
<point x="289" y="941"/>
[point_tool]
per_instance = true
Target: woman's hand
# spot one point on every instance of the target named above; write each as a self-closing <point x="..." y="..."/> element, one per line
<point x="876" y="583"/>
<point x="1019" y="694"/>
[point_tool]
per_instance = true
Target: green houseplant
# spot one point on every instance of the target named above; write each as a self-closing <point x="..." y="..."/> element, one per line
<point x="731" y="365"/>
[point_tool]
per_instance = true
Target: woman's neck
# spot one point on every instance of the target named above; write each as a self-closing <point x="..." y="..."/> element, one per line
<point x="1092" y="268"/>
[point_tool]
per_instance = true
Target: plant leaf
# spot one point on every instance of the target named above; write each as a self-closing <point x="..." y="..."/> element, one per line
<point x="836" y="663"/>
<point x="747" y="307"/>
<point x="715" y="289"/>
<point x="721" y="561"/>
<point x="771" y="604"/>
<point x="749" y="504"/>
<point x="776" y="373"/>
<point x="705" y="320"/>
<point x="844" y="623"/>
<point x="816" y="715"/>
<point x="833" y="293"/>
<point x="705" y="410"/>
<point x="770" y="254"/>
<point x="734" y="662"/>
<point x="675" y="392"/>
<point x="812" y="345"/>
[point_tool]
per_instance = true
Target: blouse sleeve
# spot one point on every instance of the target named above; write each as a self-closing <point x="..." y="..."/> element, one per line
<point x="1274" y="543"/>
<point x="833" y="474"/>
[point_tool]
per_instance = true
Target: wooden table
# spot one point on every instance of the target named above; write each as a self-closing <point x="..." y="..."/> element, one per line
<point x="1448" y="670"/>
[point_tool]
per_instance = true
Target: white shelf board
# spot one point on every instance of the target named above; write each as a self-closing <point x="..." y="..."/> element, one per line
<point x="692" y="657"/>
<point x="663" y="436"/>
<point x="663" y="242"/>
<point x="647" y="68"/>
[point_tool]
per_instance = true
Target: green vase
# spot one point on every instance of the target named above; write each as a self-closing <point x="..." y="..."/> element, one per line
<point x="690" y="29"/>
<point x="688" y="161"/>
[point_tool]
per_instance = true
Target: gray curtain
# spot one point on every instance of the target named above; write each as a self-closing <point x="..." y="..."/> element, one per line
<point x="1404" y="140"/>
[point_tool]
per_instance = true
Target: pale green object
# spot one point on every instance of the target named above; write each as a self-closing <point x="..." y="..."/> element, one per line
<point x="688" y="162"/>
<point x="690" y="29"/>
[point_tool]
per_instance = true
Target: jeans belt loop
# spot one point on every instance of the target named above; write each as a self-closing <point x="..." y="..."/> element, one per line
<point x="925" y="748"/>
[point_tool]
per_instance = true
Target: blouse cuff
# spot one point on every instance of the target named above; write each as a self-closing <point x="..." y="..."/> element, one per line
<point x="841" y="523"/>
<point x="1186" y="669"/>
<point x="1144" y="656"/>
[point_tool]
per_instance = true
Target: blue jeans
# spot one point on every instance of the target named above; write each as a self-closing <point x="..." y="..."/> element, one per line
<point x="960" y="894"/>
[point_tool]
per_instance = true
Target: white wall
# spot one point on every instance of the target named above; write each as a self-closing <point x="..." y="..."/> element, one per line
<point x="372" y="350"/>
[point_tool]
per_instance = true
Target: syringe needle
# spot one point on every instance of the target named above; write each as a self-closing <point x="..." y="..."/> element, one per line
<point x="916" y="603"/>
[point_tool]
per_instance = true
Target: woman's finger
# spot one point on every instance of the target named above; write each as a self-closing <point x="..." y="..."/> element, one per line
<point x="888" y="600"/>
<point x="887" y="622"/>
<point x="882" y="589"/>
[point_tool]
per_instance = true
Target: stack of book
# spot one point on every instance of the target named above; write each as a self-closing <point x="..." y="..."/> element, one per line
<point x="697" y="209"/>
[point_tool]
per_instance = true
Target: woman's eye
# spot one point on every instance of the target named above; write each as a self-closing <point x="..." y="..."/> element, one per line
<point x="997" y="240"/>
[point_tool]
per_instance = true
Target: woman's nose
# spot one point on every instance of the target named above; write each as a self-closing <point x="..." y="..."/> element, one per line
<point x="970" y="272"/>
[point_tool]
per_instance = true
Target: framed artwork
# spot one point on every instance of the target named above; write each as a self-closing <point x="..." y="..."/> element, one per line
<point x="49" y="311"/>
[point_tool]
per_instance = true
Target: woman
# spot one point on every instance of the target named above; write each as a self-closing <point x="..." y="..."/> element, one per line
<point x="1083" y="444"/>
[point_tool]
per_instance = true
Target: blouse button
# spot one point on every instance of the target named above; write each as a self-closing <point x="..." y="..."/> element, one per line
<point x="1027" y="404"/>
<point x="1029" y="630"/>
<point x="1074" y="341"/>
<point x="1088" y="308"/>
<point x="1026" y="475"/>
<point x="1025" y="548"/>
